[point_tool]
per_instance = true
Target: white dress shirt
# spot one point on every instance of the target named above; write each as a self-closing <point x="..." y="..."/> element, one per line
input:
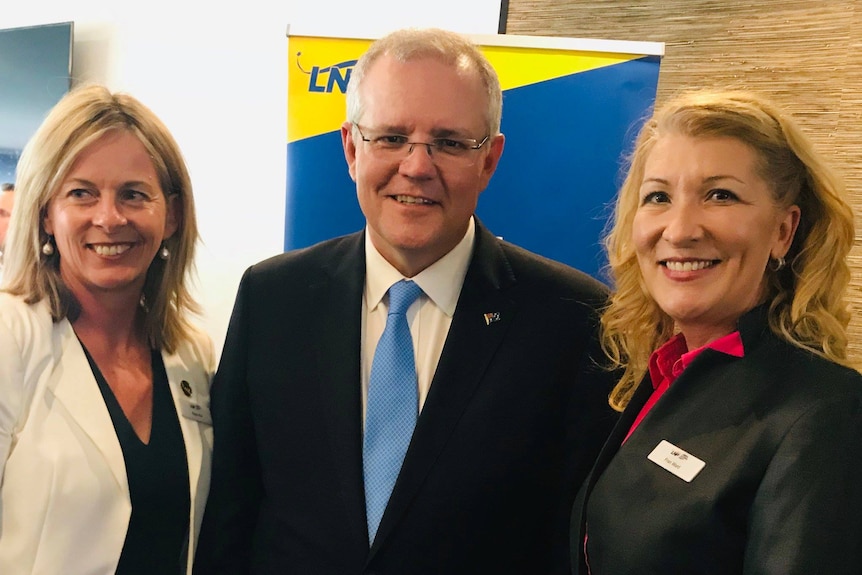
<point x="429" y="316"/>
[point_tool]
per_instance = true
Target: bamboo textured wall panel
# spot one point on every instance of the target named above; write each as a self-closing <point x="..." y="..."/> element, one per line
<point x="806" y="55"/>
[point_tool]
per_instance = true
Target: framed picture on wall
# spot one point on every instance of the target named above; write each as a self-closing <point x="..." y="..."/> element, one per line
<point x="35" y="72"/>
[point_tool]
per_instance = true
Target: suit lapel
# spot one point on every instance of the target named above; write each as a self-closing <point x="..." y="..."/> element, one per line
<point x="612" y="446"/>
<point x="189" y="383"/>
<point x="621" y="429"/>
<point x="471" y="343"/>
<point x="337" y="297"/>
<point x="75" y="387"/>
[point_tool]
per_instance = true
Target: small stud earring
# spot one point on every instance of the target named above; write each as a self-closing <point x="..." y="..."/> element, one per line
<point x="164" y="253"/>
<point x="48" y="247"/>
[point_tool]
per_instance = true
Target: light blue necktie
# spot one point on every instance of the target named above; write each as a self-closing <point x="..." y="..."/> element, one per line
<point x="390" y="414"/>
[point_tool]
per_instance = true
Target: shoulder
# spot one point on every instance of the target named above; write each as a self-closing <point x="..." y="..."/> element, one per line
<point x="769" y="357"/>
<point x="803" y="378"/>
<point x="196" y="348"/>
<point x="30" y="351"/>
<point x="552" y="277"/>
<point x="307" y="263"/>
<point x="826" y="375"/>
<point x="15" y="305"/>
<point x="23" y="320"/>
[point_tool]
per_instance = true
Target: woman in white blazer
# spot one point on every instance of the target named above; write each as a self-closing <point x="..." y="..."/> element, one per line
<point x="105" y="435"/>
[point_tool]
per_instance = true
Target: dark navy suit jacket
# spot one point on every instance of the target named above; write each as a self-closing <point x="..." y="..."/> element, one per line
<point x="515" y="416"/>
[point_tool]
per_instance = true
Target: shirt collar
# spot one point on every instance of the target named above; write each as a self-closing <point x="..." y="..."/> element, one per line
<point x="441" y="281"/>
<point x="668" y="361"/>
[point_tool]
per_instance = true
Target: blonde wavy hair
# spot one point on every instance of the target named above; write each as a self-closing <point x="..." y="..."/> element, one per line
<point x="806" y="299"/>
<point x="80" y="118"/>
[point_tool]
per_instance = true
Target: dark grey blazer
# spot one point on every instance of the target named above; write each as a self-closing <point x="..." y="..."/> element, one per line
<point x="515" y="416"/>
<point x="780" y="431"/>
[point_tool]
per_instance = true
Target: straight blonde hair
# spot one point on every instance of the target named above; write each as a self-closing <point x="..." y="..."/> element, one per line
<point x="80" y="118"/>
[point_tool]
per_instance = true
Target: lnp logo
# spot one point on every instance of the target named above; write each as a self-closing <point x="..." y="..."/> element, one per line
<point x="683" y="456"/>
<point x="326" y="79"/>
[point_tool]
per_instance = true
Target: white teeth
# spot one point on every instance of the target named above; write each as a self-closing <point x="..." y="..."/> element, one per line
<point x="111" y="250"/>
<point x="688" y="266"/>
<point x="411" y="200"/>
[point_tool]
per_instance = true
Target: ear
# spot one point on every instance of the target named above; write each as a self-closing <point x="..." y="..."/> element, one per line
<point x="492" y="158"/>
<point x="786" y="231"/>
<point x="173" y="215"/>
<point x="45" y="212"/>
<point x="349" y="148"/>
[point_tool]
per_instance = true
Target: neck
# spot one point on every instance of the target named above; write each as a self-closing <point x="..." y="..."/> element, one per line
<point x="696" y="338"/>
<point x="110" y="321"/>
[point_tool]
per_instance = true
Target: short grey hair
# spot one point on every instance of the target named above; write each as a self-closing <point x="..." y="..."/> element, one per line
<point x="448" y="47"/>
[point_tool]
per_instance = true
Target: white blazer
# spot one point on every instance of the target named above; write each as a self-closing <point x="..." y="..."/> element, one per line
<point x="64" y="495"/>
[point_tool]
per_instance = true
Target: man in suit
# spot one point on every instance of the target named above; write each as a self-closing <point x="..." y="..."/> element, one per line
<point x="512" y="406"/>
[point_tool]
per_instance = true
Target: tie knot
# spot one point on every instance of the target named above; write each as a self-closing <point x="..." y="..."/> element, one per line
<point x="401" y="295"/>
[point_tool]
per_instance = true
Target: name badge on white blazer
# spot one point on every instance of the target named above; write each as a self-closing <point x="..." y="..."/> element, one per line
<point x="678" y="461"/>
<point x="191" y="406"/>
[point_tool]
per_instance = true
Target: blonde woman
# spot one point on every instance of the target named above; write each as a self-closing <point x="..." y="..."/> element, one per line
<point x="740" y="445"/>
<point x="105" y="437"/>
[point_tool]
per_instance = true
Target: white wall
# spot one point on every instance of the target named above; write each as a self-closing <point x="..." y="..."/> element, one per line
<point x="218" y="80"/>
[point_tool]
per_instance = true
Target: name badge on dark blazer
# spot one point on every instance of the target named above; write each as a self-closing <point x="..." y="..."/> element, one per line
<point x="678" y="461"/>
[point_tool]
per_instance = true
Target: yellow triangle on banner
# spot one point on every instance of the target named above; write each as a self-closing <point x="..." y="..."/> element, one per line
<point x="517" y="67"/>
<point x="319" y="68"/>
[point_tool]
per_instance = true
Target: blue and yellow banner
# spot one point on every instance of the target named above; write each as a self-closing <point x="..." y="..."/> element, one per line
<point x="570" y="112"/>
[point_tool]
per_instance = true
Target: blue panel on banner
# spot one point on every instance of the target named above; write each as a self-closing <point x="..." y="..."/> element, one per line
<point x="563" y="160"/>
<point x="321" y="197"/>
<point x="554" y="187"/>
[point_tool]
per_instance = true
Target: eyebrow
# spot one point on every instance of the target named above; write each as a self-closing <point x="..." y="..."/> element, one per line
<point x="128" y="184"/>
<point x="708" y="180"/>
<point x="435" y="132"/>
<point x="446" y="133"/>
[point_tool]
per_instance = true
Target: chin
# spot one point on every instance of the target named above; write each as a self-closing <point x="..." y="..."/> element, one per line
<point x="117" y="283"/>
<point x="684" y="314"/>
<point x="408" y="241"/>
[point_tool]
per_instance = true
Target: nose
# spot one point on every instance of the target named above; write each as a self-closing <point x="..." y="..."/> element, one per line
<point x="108" y="215"/>
<point x="418" y="163"/>
<point x="683" y="224"/>
<point x="414" y="144"/>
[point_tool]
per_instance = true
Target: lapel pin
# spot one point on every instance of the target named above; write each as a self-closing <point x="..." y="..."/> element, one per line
<point x="492" y="317"/>
<point x="186" y="387"/>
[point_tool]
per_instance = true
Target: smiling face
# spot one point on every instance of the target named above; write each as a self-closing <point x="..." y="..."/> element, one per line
<point x="109" y="217"/>
<point x="417" y="211"/>
<point x="704" y="230"/>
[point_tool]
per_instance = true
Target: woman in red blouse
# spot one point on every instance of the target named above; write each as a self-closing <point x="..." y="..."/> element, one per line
<point x="740" y="445"/>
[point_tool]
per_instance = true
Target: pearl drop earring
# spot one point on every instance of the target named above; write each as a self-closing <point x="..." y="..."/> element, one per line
<point x="48" y="247"/>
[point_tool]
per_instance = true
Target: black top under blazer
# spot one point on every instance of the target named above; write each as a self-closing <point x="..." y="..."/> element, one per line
<point x="515" y="416"/>
<point x="780" y="431"/>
